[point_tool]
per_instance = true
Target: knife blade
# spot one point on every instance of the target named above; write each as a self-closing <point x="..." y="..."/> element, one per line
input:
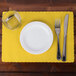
<point x="66" y="24"/>
<point x="65" y="36"/>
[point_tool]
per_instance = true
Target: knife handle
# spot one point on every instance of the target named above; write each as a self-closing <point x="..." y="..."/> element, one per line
<point x="64" y="50"/>
<point x="58" y="51"/>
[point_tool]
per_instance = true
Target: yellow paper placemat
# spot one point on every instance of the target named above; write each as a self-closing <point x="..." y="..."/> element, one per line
<point x="12" y="50"/>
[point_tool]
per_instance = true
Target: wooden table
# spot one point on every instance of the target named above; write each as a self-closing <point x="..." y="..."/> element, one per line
<point x="37" y="69"/>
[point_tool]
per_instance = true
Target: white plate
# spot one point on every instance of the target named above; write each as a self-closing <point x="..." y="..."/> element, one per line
<point x="36" y="37"/>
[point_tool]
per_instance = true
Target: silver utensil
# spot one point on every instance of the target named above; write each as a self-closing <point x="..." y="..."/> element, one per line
<point x="57" y="29"/>
<point x="65" y="37"/>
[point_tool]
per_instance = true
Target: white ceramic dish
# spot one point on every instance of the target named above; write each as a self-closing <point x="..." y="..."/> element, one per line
<point x="36" y="37"/>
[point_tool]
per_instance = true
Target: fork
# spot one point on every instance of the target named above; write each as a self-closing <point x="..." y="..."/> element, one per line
<point x="57" y="30"/>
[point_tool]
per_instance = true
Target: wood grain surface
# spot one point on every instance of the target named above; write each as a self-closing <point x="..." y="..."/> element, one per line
<point x="37" y="74"/>
<point x="37" y="69"/>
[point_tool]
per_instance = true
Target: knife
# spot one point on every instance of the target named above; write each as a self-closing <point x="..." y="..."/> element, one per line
<point x="65" y="37"/>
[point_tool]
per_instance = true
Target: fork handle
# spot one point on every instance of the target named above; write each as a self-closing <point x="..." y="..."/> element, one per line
<point x="64" y="50"/>
<point x="58" y="51"/>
